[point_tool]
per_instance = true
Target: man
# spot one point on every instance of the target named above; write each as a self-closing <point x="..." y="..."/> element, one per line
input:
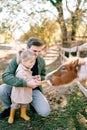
<point x="39" y="102"/>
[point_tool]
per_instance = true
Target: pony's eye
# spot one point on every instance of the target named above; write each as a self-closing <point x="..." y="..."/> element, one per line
<point x="63" y="68"/>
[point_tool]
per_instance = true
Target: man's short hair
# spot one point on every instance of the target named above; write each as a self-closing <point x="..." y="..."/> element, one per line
<point x="34" y="41"/>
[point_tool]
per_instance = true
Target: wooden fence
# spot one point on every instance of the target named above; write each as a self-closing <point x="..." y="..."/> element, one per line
<point x="77" y="50"/>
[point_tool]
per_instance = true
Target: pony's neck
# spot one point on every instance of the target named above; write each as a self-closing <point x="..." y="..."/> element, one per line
<point x="82" y="72"/>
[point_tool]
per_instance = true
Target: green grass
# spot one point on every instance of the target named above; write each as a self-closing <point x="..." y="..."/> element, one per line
<point x="60" y="119"/>
<point x="63" y="118"/>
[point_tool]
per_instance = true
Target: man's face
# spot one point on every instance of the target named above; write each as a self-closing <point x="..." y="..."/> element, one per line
<point x="36" y="50"/>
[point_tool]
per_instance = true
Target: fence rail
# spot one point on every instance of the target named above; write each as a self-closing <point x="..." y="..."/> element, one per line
<point x="76" y="49"/>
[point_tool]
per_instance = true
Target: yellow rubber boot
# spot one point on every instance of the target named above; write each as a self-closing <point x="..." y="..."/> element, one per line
<point x="23" y="114"/>
<point x="11" y="117"/>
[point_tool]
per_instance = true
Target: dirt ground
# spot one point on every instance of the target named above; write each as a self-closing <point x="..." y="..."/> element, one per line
<point x="7" y="51"/>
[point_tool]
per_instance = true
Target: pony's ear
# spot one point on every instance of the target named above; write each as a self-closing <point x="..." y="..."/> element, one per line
<point x="74" y="62"/>
<point x="78" y="63"/>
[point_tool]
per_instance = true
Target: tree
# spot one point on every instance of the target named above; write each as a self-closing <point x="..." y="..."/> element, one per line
<point x="77" y="17"/>
<point x="45" y="32"/>
<point x="74" y="21"/>
<point x="34" y="12"/>
<point x="58" y="5"/>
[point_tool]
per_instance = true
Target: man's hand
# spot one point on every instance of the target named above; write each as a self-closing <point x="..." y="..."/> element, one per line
<point x="37" y="77"/>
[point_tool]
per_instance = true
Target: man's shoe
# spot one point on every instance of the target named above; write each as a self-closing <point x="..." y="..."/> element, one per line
<point x="32" y="109"/>
<point x="5" y="113"/>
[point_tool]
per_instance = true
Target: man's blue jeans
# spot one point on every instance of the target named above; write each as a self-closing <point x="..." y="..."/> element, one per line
<point x="39" y="102"/>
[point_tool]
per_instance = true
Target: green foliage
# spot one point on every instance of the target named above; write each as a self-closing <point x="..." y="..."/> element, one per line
<point x="45" y="32"/>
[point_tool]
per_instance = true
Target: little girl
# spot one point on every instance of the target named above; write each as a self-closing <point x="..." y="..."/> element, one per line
<point x="22" y="96"/>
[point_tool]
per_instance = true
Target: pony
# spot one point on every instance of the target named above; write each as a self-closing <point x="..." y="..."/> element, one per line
<point x="73" y="70"/>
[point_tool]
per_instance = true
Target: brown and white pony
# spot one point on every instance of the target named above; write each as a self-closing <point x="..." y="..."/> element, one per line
<point x="73" y="70"/>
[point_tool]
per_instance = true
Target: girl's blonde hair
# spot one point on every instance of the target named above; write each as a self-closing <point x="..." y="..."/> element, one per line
<point x="24" y="55"/>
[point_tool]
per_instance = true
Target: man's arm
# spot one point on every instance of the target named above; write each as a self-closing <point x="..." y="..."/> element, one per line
<point x="9" y="77"/>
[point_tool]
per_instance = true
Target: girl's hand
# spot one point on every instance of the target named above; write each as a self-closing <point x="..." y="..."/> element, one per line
<point x="33" y="83"/>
